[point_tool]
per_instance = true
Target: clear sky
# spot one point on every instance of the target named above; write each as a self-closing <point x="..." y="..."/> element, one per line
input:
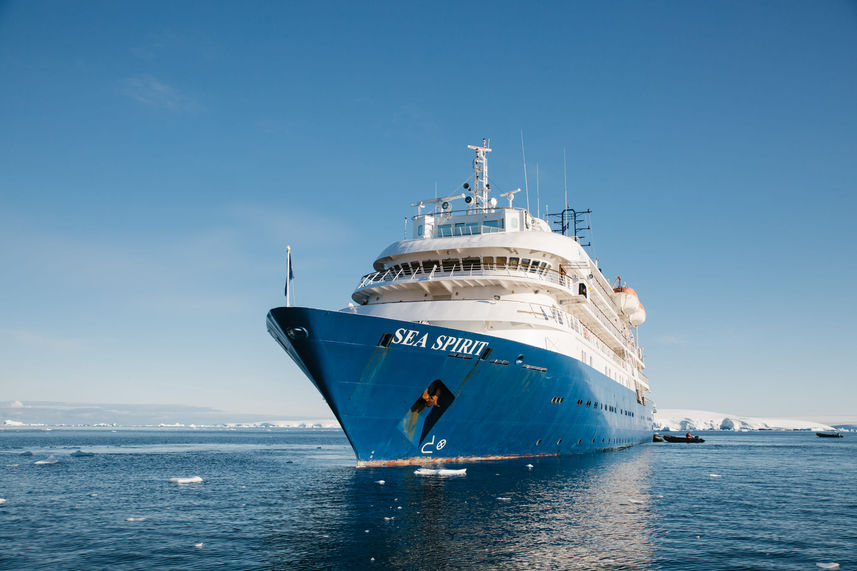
<point x="157" y="157"/>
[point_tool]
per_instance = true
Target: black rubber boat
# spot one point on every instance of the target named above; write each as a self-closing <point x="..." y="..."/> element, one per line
<point x="685" y="439"/>
<point x="829" y="434"/>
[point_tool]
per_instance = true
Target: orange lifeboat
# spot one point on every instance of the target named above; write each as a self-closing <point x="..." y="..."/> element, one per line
<point x="629" y="305"/>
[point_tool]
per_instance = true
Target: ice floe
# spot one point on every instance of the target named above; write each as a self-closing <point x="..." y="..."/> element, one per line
<point x="190" y="480"/>
<point x="48" y="460"/>
<point x="135" y="519"/>
<point x="2" y="501"/>
<point x="198" y="545"/>
<point x="380" y="482"/>
<point x="504" y="499"/>
<point x="440" y="472"/>
<point x="715" y="476"/>
<point x="830" y="565"/>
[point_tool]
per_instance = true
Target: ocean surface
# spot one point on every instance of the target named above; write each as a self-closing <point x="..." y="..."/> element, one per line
<point x="292" y="499"/>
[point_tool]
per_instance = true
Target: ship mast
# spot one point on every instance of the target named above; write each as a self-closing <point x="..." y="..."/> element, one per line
<point x="480" y="177"/>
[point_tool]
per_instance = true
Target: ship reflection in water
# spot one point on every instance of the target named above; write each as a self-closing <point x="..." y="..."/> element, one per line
<point x="588" y="511"/>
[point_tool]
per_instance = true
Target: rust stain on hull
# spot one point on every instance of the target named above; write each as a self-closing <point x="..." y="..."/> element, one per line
<point x="423" y="461"/>
<point x="429" y="461"/>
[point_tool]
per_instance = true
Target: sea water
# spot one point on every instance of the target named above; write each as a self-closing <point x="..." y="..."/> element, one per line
<point x="292" y="499"/>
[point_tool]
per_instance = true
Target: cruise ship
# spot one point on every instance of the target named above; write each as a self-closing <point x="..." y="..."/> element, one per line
<point x="485" y="335"/>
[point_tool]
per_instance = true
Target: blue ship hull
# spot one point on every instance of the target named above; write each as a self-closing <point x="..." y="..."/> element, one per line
<point x="408" y="393"/>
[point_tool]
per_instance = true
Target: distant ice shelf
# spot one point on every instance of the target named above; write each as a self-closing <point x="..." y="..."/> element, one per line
<point x="684" y="420"/>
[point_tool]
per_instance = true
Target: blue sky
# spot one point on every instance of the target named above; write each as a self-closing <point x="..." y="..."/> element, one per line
<point x="157" y="157"/>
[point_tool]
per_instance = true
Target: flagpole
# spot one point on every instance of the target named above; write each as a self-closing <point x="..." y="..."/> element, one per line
<point x="288" y="270"/>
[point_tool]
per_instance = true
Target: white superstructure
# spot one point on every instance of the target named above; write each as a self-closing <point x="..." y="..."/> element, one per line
<point x="500" y="271"/>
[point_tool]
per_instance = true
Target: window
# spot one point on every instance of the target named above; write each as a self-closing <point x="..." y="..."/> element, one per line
<point x="459" y="229"/>
<point x="472" y="228"/>
<point x="491" y="226"/>
<point x="513" y="263"/>
<point x="444" y="230"/>
<point x="472" y="264"/>
<point x="420" y="230"/>
<point x="501" y="262"/>
<point x="451" y="263"/>
<point x="488" y="262"/>
<point x="525" y="264"/>
<point x="429" y="265"/>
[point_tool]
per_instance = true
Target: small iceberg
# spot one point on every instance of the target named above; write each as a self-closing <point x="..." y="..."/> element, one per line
<point x="530" y="466"/>
<point x="2" y="501"/>
<point x="197" y="545"/>
<point x="135" y="519"/>
<point x="48" y="460"/>
<point x="380" y="482"/>
<point x="830" y="565"/>
<point x="440" y="472"/>
<point x="191" y="480"/>
<point x="81" y="454"/>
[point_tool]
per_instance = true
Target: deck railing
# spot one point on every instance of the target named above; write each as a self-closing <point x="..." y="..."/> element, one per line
<point x="537" y="275"/>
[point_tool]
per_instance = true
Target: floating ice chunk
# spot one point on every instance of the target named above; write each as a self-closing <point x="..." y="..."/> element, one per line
<point x="135" y="519"/>
<point x="27" y="453"/>
<point x="530" y="466"/>
<point x="197" y="545"/>
<point x="2" y="501"/>
<point x="366" y="530"/>
<point x="440" y="472"/>
<point x="715" y="476"/>
<point x="11" y="465"/>
<point x="81" y="454"/>
<point x="389" y="518"/>
<point x="380" y="482"/>
<point x="398" y="508"/>
<point x="93" y="495"/>
<point x="503" y="499"/>
<point x="191" y="480"/>
<point x="48" y="460"/>
<point x="830" y="565"/>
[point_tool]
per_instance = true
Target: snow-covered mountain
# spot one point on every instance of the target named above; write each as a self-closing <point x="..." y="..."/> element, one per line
<point x="683" y="420"/>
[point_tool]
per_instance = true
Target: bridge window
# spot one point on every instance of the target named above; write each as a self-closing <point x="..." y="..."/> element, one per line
<point x="501" y="262"/>
<point x="420" y="230"/>
<point x="488" y="262"/>
<point x="459" y="229"/>
<point x="513" y="263"/>
<point x="450" y="263"/>
<point x="525" y="264"/>
<point x="491" y="226"/>
<point x="473" y="228"/>
<point x="444" y="230"/>
<point x="429" y="265"/>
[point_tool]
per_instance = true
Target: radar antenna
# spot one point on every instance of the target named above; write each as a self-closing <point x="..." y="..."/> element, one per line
<point x="510" y="195"/>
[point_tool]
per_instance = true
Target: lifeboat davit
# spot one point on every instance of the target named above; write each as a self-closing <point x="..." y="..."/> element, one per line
<point x="629" y="305"/>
